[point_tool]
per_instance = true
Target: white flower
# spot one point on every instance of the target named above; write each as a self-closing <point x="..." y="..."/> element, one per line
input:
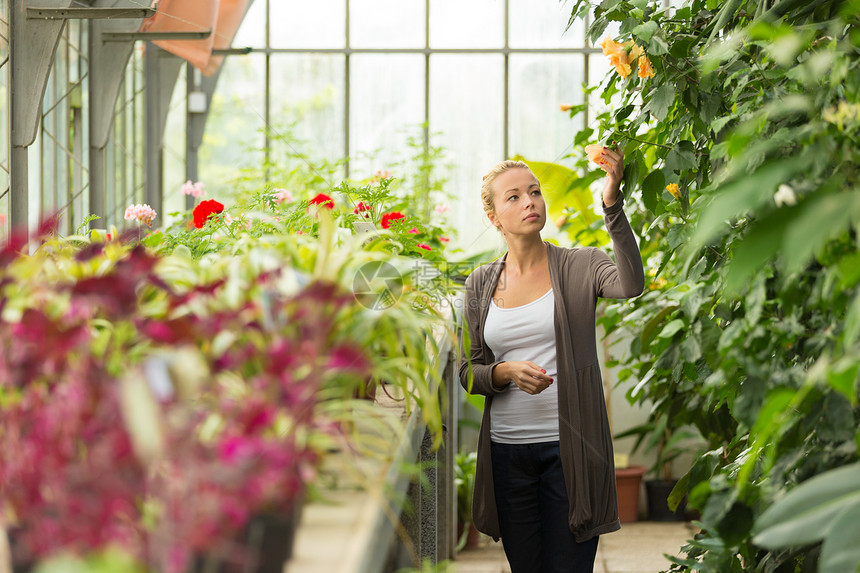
<point x="785" y="196"/>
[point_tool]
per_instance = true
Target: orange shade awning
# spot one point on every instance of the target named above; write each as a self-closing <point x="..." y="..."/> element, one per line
<point x="223" y="17"/>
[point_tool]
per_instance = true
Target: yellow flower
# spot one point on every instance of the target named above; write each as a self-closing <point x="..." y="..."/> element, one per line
<point x="565" y="107"/>
<point x="622" y="66"/>
<point x="622" y="55"/>
<point x="595" y="154"/>
<point x="645" y="69"/>
<point x="673" y="189"/>
<point x="610" y="46"/>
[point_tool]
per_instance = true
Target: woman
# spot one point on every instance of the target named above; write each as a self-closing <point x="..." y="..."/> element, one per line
<point x="545" y="481"/>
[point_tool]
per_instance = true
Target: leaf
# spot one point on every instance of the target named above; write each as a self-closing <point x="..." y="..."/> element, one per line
<point x="677" y="235"/>
<point x="690" y="349"/>
<point x="679" y="491"/>
<point x="852" y="323"/>
<point x="726" y="12"/>
<point x="652" y="189"/>
<point x="760" y="245"/>
<point x="777" y="401"/>
<point x="670" y="329"/>
<point x="682" y="156"/>
<point x="841" y="551"/>
<point x="755" y="300"/>
<point x="808" y="513"/>
<point x="718" y="124"/>
<point x="842" y="377"/>
<point x="823" y="218"/>
<point x="583" y="136"/>
<point x="645" y="30"/>
<point x="660" y="100"/>
<point x="745" y="193"/>
<point x="658" y="46"/>
<point x="651" y="328"/>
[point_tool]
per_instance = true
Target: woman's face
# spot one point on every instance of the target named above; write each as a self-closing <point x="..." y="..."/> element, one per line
<point x="519" y="205"/>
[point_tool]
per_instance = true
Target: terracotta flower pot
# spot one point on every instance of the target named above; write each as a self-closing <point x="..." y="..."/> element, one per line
<point x="627" y="482"/>
<point x="472" y="537"/>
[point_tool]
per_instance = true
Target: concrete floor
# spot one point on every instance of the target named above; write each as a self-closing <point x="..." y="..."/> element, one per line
<point x="637" y="548"/>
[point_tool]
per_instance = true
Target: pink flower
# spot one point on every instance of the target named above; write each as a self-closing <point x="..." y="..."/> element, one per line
<point x="282" y="196"/>
<point x="193" y="189"/>
<point x="141" y="213"/>
<point x="444" y="239"/>
<point x="228" y="220"/>
<point x="380" y="175"/>
<point x="2" y="219"/>
<point x="444" y="208"/>
<point x="423" y="246"/>
<point x="414" y="231"/>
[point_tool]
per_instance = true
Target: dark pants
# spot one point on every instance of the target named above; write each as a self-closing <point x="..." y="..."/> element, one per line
<point x="533" y="508"/>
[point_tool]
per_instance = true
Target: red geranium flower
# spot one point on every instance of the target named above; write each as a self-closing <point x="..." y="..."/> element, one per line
<point x="363" y="207"/>
<point x="423" y="246"/>
<point x="204" y="209"/>
<point x="323" y="200"/>
<point x="388" y="217"/>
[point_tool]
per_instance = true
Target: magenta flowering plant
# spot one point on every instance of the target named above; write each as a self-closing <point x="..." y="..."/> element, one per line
<point x="94" y="452"/>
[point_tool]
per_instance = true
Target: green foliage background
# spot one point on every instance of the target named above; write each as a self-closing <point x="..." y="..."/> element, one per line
<point x="750" y="328"/>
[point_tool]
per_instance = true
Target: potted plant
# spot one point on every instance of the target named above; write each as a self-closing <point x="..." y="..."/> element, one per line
<point x="464" y="481"/>
<point x="667" y="443"/>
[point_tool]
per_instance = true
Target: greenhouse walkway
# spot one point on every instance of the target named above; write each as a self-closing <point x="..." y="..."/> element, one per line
<point x="637" y="548"/>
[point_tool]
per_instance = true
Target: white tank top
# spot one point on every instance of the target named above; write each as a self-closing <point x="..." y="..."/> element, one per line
<point x="524" y="333"/>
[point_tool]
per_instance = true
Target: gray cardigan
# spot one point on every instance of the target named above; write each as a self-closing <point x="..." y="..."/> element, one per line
<point x="578" y="277"/>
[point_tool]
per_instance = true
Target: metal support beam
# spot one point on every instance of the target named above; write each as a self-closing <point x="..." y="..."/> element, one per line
<point x="107" y="73"/>
<point x="232" y="51"/>
<point x="154" y="36"/>
<point x="196" y="121"/>
<point x="55" y="13"/>
<point x="32" y="46"/>
<point x="162" y="71"/>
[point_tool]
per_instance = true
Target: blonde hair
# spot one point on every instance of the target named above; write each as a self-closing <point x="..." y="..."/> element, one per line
<point x="487" y="185"/>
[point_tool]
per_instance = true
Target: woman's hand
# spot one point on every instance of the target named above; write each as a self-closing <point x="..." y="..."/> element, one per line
<point x="528" y="376"/>
<point x="613" y="164"/>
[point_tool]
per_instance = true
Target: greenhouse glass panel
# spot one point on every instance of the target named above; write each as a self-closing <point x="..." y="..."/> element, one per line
<point x="473" y="24"/>
<point x="234" y="135"/>
<point x="317" y="24"/>
<point x="542" y="25"/>
<point x="386" y="108"/>
<point x="307" y="103"/>
<point x="387" y="23"/>
<point x="466" y="106"/>
<point x="598" y="71"/>
<point x="539" y="84"/>
<point x="252" y="32"/>
<point x="174" y="150"/>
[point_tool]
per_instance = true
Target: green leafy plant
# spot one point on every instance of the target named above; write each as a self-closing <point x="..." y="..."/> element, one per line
<point x="654" y="435"/>
<point x="742" y="175"/>
<point x="465" y="464"/>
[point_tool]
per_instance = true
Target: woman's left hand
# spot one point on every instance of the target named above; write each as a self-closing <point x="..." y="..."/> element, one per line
<point x="614" y="166"/>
